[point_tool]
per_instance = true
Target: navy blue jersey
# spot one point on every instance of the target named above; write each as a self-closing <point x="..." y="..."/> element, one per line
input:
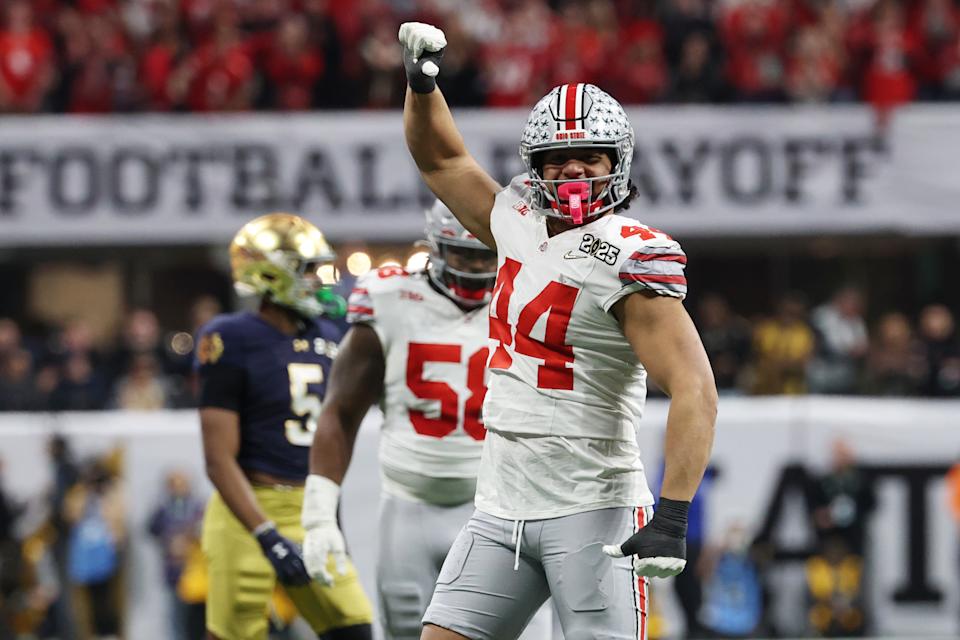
<point x="276" y="383"/>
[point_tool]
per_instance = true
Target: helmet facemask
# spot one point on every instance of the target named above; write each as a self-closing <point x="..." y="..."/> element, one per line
<point x="458" y="271"/>
<point x="460" y="265"/>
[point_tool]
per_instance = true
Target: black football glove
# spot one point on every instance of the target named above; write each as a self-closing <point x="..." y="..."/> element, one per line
<point x="283" y="554"/>
<point x="423" y="46"/>
<point x="659" y="550"/>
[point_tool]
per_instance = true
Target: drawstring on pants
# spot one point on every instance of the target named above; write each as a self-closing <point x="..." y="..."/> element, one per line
<point x="515" y="539"/>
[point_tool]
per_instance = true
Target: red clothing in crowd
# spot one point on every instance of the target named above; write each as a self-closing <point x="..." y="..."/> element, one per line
<point x="637" y="73"/>
<point x="158" y="64"/>
<point x="293" y="77"/>
<point x="755" y="35"/>
<point x="25" y="59"/>
<point x="220" y="78"/>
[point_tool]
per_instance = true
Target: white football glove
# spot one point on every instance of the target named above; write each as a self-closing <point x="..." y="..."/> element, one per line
<point x="423" y="46"/>
<point x="324" y="539"/>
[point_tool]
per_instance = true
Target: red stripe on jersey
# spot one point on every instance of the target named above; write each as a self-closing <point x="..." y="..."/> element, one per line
<point x="570" y="109"/>
<point x="355" y="308"/>
<point x="658" y="279"/>
<point x="667" y="257"/>
<point x="642" y="581"/>
<point x="359" y="291"/>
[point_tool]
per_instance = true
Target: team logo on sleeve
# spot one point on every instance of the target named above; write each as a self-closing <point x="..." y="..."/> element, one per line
<point x="210" y="348"/>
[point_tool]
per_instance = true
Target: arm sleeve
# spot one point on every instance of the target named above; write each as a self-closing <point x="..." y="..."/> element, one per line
<point x="656" y="267"/>
<point x="221" y="386"/>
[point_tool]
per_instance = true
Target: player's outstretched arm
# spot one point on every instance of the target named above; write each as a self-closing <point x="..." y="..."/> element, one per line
<point x="221" y="443"/>
<point x="432" y="136"/>
<point x="355" y="383"/>
<point x="666" y="342"/>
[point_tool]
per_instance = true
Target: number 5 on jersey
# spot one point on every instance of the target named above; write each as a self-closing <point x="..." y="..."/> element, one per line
<point x="303" y="403"/>
<point x="556" y="300"/>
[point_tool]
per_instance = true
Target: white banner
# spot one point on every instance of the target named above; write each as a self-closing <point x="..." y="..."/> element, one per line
<point x="762" y="447"/>
<point x="699" y="171"/>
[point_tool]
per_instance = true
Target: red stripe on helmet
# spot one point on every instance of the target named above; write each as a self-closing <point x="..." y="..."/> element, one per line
<point x="570" y="108"/>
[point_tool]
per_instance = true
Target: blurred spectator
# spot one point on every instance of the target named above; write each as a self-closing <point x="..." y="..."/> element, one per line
<point x="203" y="310"/>
<point x="380" y="50"/>
<point x="219" y="74"/>
<point x="587" y="29"/>
<point x="842" y="500"/>
<point x="460" y="80"/>
<point x="755" y="37"/>
<point x="175" y="524"/>
<point x="733" y="592"/>
<point x="841" y="343"/>
<point x="783" y="346"/>
<point x="726" y="338"/>
<point x="9" y="337"/>
<point x="65" y="475"/>
<point x="895" y="364"/>
<point x="81" y="387"/>
<point x="638" y="73"/>
<point x="10" y="560"/>
<point x="682" y="21"/>
<point x="514" y="65"/>
<point x="936" y="26"/>
<point x="100" y="72"/>
<point x="815" y="67"/>
<point x="886" y="52"/>
<point x="142" y="335"/>
<point x="835" y="592"/>
<point x="292" y="67"/>
<point x="17" y="389"/>
<point x="939" y="340"/>
<point x="26" y="60"/>
<point x="697" y="78"/>
<point x="165" y="50"/>
<point x="95" y="510"/>
<point x="143" y="388"/>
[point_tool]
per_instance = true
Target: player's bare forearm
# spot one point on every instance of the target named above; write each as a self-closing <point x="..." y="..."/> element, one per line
<point x="689" y="439"/>
<point x="432" y="136"/>
<point x="355" y="383"/>
<point x="445" y="164"/>
<point x="221" y="442"/>
<point x="666" y="342"/>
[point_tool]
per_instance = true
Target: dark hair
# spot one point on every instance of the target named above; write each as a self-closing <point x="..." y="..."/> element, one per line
<point x="632" y="194"/>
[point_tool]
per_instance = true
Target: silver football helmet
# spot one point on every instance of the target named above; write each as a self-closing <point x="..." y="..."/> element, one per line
<point x="577" y="115"/>
<point x="446" y="236"/>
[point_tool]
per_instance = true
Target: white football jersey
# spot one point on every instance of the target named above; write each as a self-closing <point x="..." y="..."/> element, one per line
<point x="566" y="390"/>
<point x="434" y="384"/>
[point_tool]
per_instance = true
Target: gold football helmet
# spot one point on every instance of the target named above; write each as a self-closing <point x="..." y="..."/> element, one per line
<point x="286" y="259"/>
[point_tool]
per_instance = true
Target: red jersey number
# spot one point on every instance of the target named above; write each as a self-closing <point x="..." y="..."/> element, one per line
<point x="556" y="300"/>
<point x="418" y="355"/>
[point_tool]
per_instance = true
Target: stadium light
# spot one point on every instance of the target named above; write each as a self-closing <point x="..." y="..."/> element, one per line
<point x="417" y="260"/>
<point x="358" y="263"/>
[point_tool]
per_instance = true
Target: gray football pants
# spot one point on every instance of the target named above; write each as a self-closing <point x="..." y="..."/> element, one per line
<point x="414" y="540"/>
<point x="489" y="588"/>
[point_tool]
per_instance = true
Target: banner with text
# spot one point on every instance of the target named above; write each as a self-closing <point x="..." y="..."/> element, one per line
<point x="699" y="172"/>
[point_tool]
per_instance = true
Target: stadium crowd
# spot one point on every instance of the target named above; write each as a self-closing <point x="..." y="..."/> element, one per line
<point x="101" y="56"/>
<point x="793" y="350"/>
